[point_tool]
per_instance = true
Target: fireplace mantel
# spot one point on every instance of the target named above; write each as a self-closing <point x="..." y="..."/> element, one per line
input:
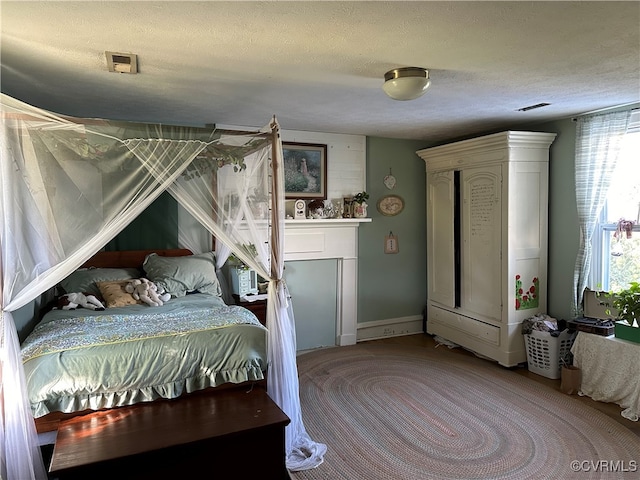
<point x="321" y="239"/>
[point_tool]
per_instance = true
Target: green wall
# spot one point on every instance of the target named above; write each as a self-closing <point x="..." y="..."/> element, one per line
<point x="564" y="235"/>
<point x="393" y="285"/>
<point x="156" y="227"/>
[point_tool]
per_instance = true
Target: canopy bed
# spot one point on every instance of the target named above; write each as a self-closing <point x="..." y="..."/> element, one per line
<point x="190" y="343"/>
<point x="70" y="185"/>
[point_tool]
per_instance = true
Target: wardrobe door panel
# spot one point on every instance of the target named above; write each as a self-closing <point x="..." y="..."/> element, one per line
<point x="440" y="238"/>
<point x="481" y="241"/>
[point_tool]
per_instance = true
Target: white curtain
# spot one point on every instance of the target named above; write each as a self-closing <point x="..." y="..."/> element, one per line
<point x="598" y="141"/>
<point x="302" y="452"/>
<point x="191" y="235"/>
<point x="70" y="185"/>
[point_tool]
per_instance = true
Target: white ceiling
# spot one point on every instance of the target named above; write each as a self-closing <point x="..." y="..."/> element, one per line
<point x="319" y="66"/>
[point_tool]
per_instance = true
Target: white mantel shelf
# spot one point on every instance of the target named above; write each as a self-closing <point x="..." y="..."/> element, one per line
<point x="321" y="239"/>
<point x="326" y="222"/>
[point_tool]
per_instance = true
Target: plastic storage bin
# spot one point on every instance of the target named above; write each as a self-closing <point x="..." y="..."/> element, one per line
<point x="544" y="352"/>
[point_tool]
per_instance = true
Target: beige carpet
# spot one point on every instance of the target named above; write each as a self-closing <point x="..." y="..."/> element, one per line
<point x="403" y="412"/>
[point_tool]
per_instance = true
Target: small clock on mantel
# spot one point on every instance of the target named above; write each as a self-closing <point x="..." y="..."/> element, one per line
<point x="390" y="205"/>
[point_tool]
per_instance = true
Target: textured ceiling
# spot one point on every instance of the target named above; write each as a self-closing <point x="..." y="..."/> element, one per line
<point x="319" y="66"/>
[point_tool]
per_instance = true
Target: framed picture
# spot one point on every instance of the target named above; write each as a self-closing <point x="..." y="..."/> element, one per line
<point x="305" y="170"/>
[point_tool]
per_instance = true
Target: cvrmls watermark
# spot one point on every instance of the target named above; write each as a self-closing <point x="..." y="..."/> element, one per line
<point x="618" y="466"/>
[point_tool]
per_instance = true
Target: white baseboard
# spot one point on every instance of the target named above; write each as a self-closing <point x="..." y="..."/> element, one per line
<point x="390" y="327"/>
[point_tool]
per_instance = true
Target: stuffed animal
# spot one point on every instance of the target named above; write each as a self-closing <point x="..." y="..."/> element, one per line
<point x="71" y="301"/>
<point x="156" y="292"/>
<point x="146" y="291"/>
<point x="164" y="295"/>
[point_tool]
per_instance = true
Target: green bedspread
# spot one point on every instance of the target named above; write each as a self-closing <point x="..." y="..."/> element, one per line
<point x="80" y="359"/>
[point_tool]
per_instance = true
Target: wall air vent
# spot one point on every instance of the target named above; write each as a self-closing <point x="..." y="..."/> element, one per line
<point x="122" y="62"/>
<point x="533" y="107"/>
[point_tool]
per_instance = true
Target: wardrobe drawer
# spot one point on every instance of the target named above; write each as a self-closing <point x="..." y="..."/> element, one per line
<point x="467" y="325"/>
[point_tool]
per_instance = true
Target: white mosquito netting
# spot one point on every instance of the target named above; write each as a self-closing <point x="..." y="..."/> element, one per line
<point x="70" y="185"/>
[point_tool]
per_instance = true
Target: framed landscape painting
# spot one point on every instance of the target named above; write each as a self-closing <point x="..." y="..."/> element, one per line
<point x="305" y="170"/>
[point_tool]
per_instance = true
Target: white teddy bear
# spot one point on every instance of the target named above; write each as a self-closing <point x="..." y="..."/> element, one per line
<point x="148" y="292"/>
<point x="71" y="301"/>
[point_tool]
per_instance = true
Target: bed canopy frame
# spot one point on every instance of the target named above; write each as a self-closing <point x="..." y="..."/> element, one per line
<point x="70" y="185"/>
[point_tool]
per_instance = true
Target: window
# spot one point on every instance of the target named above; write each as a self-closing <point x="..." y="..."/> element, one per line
<point x="616" y="258"/>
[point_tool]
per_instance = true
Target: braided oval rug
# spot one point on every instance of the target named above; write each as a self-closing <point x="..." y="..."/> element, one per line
<point x="405" y="412"/>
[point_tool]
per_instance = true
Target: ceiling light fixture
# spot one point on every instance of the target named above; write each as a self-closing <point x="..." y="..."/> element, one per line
<point x="406" y="83"/>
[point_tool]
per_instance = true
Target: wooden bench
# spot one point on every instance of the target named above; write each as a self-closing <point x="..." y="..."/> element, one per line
<point x="238" y="431"/>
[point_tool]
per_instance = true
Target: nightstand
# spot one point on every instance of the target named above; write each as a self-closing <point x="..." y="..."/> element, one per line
<point x="258" y="307"/>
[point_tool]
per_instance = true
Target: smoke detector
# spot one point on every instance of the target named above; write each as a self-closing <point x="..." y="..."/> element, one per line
<point x="122" y="62"/>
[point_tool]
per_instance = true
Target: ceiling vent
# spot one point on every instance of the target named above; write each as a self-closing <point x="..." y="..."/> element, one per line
<point x="122" y="62"/>
<point x="533" y="107"/>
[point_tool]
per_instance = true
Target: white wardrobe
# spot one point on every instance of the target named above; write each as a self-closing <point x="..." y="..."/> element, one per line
<point x="487" y="217"/>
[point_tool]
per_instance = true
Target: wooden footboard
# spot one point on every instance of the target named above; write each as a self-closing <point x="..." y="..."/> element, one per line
<point x="51" y="421"/>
